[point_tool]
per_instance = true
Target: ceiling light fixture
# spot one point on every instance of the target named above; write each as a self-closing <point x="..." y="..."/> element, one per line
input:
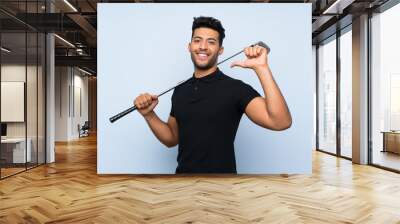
<point x="337" y="7"/>
<point x="84" y="71"/>
<point x="64" y="40"/>
<point x="5" y="50"/>
<point x="70" y="5"/>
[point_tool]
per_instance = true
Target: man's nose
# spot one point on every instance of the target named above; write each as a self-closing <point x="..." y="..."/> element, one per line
<point x="203" y="45"/>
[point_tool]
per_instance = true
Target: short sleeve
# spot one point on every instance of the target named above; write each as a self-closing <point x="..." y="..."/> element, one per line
<point x="172" y="113"/>
<point x="245" y="94"/>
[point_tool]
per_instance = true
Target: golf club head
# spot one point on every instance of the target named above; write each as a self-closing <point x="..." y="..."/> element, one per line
<point x="264" y="45"/>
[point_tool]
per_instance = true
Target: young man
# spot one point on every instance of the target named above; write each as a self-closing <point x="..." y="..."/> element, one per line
<point x="206" y="109"/>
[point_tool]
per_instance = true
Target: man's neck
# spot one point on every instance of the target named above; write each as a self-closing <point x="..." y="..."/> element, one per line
<point x="199" y="73"/>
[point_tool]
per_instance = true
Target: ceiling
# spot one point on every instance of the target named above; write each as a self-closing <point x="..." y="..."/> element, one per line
<point x="76" y="22"/>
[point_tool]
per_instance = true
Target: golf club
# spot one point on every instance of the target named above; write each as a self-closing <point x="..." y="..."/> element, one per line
<point x="127" y="111"/>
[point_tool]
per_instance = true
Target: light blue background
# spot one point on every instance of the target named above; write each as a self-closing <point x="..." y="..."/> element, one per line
<point x="143" y="48"/>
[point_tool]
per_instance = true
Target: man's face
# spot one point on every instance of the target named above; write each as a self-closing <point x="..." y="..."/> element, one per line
<point x="204" y="48"/>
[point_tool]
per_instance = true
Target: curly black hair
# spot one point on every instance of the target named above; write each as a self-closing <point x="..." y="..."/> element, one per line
<point x="211" y="23"/>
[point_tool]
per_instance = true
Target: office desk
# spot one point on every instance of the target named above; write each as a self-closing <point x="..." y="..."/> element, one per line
<point x="15" y="148"/>
<point x="391" y="141"/>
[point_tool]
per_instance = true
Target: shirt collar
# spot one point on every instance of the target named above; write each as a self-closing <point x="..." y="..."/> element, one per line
<point x="217" y="74"/>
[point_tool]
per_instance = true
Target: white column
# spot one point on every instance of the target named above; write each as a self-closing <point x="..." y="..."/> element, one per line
<point x="50" y="110"/>
<point x="360" y="90"/>
<point x="50" y="92"/>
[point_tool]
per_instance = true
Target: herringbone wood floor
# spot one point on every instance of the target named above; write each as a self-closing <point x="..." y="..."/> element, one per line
<point x="70" y="191"/>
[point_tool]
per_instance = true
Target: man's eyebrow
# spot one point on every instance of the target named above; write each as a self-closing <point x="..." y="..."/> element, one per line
<point x="198" y="37"/>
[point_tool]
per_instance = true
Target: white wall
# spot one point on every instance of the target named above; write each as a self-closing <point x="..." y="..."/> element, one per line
<point x="80" y="83"/>
<point x="14" y="73"/>
<point x="61" y="103"/>
<point x="12" y="101"/>
<point x="143" y="48"/>
<point x="17" y="73"/>
<point x="11" y="73"/>
<point x="68" y="82"/>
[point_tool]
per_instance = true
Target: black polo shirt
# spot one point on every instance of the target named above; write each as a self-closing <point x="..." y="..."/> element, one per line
<point x="208" y="111"/>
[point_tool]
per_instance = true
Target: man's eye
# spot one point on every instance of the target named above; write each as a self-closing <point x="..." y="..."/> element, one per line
<point x="212" y="42"/>
<point x="196" y="40"/>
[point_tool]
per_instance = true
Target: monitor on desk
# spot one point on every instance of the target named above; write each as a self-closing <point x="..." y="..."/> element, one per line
<point x="3" y="130"/>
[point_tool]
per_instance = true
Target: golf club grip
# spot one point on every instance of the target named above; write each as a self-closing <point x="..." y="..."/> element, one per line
<point x="123" y="113"/>
<point x="264" y="45"/>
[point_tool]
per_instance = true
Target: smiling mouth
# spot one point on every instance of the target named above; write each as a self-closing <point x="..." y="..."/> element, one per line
<point x="202" y="56"/>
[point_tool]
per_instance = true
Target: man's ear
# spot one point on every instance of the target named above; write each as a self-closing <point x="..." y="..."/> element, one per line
<point x="221" y="50"/>
<point x="189" y="46"/>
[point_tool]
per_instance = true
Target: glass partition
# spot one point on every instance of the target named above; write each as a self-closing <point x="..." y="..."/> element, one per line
<point x="22" y="63"/>
<point x="13" y="95"/>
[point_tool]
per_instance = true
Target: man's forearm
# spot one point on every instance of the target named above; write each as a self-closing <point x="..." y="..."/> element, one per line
<point x="276" y="104"/>
<point x="160" y="129"/>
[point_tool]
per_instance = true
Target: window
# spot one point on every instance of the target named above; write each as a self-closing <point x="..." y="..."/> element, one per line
<point x="385" y="88"/>
<point x="346" y="93"/>
<point x="327" y="96"/>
